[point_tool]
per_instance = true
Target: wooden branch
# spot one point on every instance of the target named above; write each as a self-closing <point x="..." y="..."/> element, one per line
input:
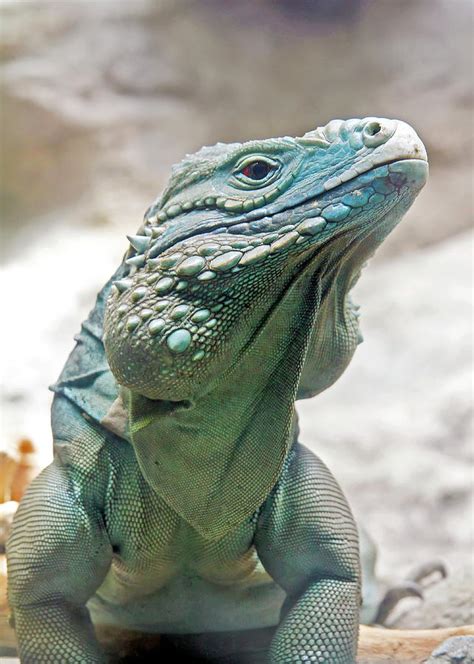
<point x="403" y="646"/>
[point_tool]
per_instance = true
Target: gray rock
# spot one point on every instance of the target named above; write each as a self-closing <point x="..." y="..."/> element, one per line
<point x="457" y="650"/>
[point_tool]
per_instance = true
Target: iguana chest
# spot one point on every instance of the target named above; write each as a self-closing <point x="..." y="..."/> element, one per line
<point x="153" y="545"/>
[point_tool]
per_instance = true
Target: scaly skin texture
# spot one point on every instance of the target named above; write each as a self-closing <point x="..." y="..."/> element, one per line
<point x="180" y="500"/>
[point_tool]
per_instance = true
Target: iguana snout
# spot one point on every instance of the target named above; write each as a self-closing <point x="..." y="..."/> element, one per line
<point x="235" y="229"/>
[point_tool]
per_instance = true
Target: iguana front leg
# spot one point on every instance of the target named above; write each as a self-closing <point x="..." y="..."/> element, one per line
<point x="58" y="555"/>
<point x="307" y="540"/>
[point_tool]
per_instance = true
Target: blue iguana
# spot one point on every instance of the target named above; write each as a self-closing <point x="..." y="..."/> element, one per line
<point x="180" y="500"/>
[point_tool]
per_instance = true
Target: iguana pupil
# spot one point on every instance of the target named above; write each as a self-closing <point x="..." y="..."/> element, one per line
<point x="257" y="170"/>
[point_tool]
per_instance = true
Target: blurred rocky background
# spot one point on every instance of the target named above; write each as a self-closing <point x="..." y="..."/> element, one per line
<point x="100" y="97"/>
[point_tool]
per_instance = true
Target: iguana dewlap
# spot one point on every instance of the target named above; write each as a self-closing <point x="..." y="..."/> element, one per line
<point x="180" y="499"/>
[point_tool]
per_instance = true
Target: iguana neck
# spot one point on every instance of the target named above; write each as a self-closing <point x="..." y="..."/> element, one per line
<point x="215" y="459"/>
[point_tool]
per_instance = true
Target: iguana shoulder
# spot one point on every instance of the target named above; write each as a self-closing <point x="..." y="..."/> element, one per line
<point x="86" y="379"/>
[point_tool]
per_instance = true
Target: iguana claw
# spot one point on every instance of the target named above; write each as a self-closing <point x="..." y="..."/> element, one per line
<point x="393" y="596"/>
<point x="412" y="587"/>
<point x="426" y="570"/>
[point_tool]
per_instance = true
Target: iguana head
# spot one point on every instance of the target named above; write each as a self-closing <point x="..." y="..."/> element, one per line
<point x="244" y="231"/>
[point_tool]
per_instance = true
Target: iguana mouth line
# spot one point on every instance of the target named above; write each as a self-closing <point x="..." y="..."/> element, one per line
<point x="340" y="184"/>
<point x="265" y="213"/>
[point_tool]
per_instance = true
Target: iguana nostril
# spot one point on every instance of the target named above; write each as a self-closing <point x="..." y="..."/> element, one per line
<point x="376" y="132"/>
<point x="372" y="128"/>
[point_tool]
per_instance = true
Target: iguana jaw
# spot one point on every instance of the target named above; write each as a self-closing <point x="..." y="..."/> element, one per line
<point x="199" y="294"/>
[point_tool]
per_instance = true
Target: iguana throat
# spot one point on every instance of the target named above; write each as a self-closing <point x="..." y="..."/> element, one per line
<point x="240" y="276"/>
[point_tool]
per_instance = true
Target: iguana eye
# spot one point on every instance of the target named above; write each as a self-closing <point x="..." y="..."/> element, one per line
<point x="257" y="170"/>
